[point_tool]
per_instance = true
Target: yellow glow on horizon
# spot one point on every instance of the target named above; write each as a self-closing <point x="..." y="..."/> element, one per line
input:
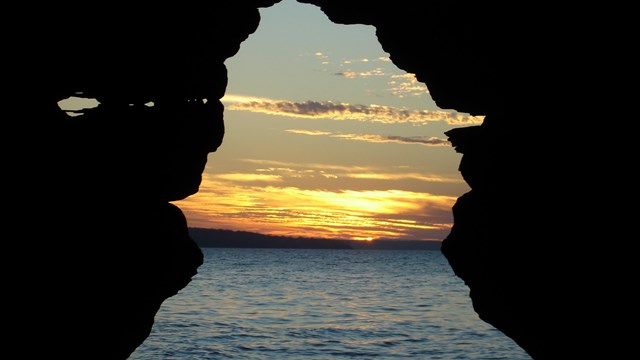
<point x="226" y="202"/>
<point x="249" y="177"/>
<point x="367" y="239"/>
<point x="309" y="132"/>
<point x="380" y="202"/>
<point x="309" y="165"/>
<point x="233" y="98"/>
<point x="422" y="177"/>
<point x="339" y="171"/>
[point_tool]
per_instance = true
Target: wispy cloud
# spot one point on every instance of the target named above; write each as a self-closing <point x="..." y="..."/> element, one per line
<point x="420" y="140"/>
<point x="345" y="111"/>
<point x="374" y="138"/>
<point x="355" y="74"/>
<point x="293" y="211"/>
<point x="402" y="85"/>
<point x="313" y="166"/>
<point x="310" y="132"/>
<point x="365" y="60"/>
<point x="324" y="59"/>
<point x="284" y="170"/>
<point x="406" y="176"/>
<point x="249" y="177"/>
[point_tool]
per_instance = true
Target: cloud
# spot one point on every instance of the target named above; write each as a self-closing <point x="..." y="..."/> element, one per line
<point x="314" y="166"/>
<point x="407" y="76"/>
<point x="289" y="210"/>
<point x="308" y="170"/>
<point x="354" y="74"/>
<point x="362" y="60"/>
<point x="402" y="85"/>
<point x="422" y="140"/>
<point x="373" y="138"/>
<point x="321" y="56"/>
<point x="345" y="111"/>
<point x="406" y="176"/>
<point x="310" y="132"/>
<point x="249" y="177"/>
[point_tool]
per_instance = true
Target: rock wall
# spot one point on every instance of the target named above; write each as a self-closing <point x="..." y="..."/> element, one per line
<point x="86" y="276"/>
<point x="94" y="243"/>
<point x="525" y="237"/>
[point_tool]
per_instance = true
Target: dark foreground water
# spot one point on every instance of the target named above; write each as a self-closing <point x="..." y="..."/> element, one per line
<point x="323" y="304"/>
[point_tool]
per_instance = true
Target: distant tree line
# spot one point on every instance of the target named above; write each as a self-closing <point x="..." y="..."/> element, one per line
<point x="245" y="239"/>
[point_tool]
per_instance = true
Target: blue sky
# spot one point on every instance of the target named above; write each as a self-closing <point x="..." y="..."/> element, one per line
<point x="326" y="137"/>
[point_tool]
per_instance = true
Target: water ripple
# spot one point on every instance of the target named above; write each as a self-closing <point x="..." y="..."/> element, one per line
<point x="323" y="304"/>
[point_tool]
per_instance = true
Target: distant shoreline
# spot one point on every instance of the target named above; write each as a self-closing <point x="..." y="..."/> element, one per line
<point x="219" y="238"/>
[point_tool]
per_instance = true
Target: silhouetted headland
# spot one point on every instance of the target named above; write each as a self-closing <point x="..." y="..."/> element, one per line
<point x="246" y="239"/>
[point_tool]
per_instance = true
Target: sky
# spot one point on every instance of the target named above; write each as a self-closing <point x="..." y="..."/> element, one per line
<point x="325" y="137"/>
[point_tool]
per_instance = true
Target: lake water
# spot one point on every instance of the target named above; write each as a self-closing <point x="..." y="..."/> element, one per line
<point x="323" y="304"/>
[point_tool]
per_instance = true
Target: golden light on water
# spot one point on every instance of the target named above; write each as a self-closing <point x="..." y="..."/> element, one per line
<point x="292" y="211"/>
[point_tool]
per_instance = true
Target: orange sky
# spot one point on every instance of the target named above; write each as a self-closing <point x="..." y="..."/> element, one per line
<point x="325" y="137"/>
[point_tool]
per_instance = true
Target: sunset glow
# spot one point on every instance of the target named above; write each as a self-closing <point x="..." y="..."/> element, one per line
<point x="293" y="211"/>
<point x="325" y="137"/>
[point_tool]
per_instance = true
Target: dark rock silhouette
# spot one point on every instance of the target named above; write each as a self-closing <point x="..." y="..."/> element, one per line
<point x="97" y="246"/>
<point x="247" y="239"/>
<point x="87" y="275"/>
<point x="524" y="238"/>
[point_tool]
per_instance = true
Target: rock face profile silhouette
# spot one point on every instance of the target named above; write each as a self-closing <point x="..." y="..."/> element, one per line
<point x="530" y="237"/>
<point x="534" y="244"/>
<point x="95" y="246"/>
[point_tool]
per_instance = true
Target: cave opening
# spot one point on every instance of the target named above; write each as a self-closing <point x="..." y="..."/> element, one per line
<point x="91" y="184"/>
<point x="326" y="137"/>
<point x="320" y="121"/>
<point x="91" y="190"/>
